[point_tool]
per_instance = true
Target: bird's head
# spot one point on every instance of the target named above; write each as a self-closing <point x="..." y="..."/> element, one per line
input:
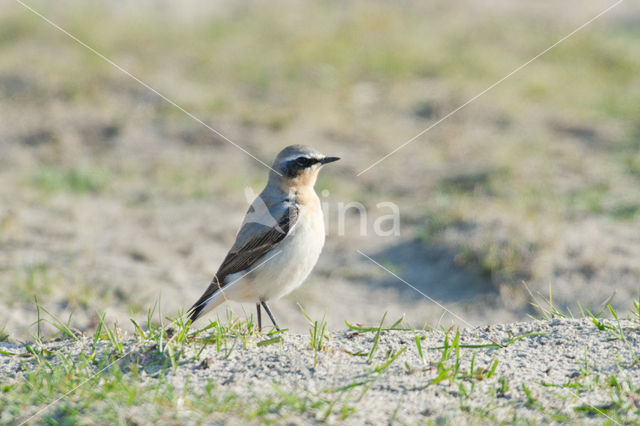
<point x="298" y="165"/>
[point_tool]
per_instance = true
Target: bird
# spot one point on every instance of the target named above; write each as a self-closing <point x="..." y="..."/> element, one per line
<point x="279" y="240"/>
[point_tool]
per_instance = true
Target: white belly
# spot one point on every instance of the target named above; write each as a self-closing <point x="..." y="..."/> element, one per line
<point x="282" y="269"/>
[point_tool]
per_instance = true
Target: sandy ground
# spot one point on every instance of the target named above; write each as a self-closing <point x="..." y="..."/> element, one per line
<point x="565" y="364"/>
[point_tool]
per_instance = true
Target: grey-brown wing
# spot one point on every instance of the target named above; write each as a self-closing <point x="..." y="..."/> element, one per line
<point x="266" y="238"/>
<point x="253" y="242"/>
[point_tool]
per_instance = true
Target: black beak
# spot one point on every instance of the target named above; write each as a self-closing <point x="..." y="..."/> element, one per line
<point x="327" y="160"/>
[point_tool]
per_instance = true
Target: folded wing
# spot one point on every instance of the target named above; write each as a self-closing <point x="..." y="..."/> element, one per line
<point x="261" y="232"/>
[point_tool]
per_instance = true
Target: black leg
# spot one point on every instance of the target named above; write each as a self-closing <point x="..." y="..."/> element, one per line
<point x="273" y="320"/>
<point x="259" y="317"/>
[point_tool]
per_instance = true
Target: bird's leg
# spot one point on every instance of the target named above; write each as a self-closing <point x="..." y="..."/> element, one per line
<point x="273" y="320"/>
<point x="259" y="317"/>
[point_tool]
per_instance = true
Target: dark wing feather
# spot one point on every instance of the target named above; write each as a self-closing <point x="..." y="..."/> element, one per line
<point x="242" y="257"/>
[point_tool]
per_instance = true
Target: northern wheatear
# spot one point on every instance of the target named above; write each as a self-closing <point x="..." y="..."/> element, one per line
<point x="279" y="241"/>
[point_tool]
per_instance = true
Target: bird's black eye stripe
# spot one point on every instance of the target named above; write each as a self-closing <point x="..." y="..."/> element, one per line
<point x="304" y="161"/>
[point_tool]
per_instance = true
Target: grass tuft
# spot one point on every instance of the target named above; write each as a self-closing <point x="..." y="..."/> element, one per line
<point x="76" y="180"/>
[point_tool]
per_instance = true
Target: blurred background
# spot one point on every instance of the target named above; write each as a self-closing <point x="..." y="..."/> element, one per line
<point x="113" y="200"/>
